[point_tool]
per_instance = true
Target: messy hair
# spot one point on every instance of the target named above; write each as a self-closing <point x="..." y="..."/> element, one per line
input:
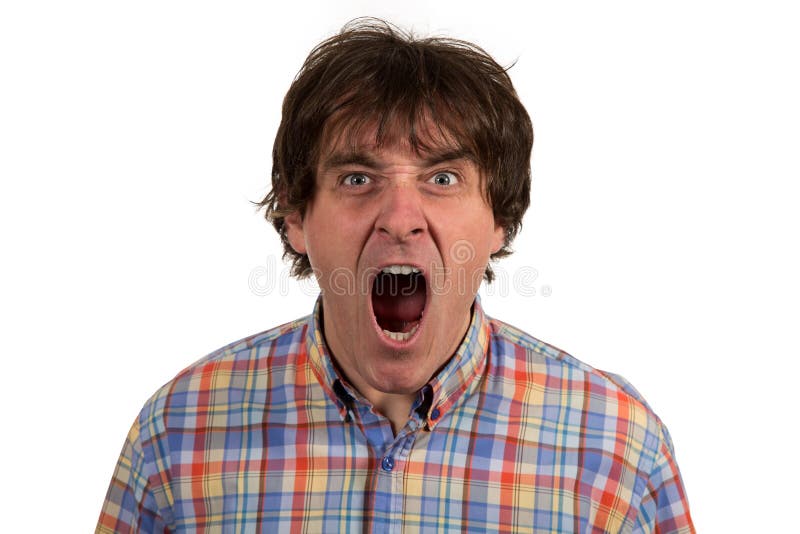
<point x="373" y="73"/>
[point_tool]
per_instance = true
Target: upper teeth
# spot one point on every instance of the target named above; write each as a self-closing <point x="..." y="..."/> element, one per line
<point x="399" y="269"/>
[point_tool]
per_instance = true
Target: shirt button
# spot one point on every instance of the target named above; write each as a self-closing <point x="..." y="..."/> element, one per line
<point x="435" y="414"/>
<point x="387" y="463"/>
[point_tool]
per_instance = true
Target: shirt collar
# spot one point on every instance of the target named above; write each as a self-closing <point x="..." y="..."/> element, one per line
<point x="445" y="389"/>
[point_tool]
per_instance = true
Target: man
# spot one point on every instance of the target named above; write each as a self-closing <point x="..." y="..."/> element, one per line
<point x="401" y="167"/>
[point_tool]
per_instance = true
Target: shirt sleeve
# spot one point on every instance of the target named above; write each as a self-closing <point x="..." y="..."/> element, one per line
<point x="130" y="505"/>
<point x="664" y="507"/>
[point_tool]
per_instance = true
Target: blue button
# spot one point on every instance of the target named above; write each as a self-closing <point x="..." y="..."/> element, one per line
<point x="387" y="463"/>
<point x="435" y="414"/>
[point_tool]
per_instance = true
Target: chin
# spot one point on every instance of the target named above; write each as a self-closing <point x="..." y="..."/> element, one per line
<point x="400" y="378"/>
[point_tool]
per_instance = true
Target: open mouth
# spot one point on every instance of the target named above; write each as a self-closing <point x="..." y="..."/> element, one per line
<point x="399" y="294"/>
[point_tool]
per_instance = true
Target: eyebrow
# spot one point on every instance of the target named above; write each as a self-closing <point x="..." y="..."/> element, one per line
<point x="343" y="159"/>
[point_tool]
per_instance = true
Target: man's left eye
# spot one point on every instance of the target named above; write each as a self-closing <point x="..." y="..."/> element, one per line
<point x="444" y="178"/>
<point x="356" y="179"/>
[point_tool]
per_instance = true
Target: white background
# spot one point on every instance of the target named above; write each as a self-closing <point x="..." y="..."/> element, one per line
<point x="134" y="134"/>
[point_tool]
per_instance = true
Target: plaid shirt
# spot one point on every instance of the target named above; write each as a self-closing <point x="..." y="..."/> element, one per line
<point x="512" y="435"/>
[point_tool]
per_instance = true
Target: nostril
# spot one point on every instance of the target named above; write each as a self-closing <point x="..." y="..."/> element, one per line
<point x="398" y="232"/>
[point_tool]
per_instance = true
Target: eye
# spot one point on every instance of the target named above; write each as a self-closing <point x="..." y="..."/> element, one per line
<point x="356" y="179"/>
<point x="443" y="179"/>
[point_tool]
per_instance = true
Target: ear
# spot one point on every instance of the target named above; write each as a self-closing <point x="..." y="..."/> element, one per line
<point x="294" y="232"/>
<point x="498" y="238"/>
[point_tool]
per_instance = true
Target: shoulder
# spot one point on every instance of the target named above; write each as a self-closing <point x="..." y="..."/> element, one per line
<point x="515" y="342"/>
<point x="235" y="370"/>
<point x="602" y="402"/>
<point x="277" y="342"/>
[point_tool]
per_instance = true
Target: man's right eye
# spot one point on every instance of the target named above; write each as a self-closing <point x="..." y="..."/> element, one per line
<point x="356" y="179"/>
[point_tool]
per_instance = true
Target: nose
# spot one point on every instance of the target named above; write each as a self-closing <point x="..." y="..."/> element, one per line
<point x="401" y="217"/>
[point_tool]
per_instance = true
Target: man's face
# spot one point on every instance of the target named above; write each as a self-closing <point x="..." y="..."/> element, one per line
<point x="398" y="241"/>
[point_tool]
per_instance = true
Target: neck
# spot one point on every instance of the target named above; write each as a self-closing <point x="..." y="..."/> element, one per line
<point x="395" y="407"/>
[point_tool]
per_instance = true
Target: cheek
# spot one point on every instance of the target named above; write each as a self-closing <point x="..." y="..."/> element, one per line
<point x="332" y="243"/>
<point x="487" y="237"/>
<point x="468" y="253"/>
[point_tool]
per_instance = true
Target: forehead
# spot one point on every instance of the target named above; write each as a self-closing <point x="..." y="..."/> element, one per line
<point x="347" y="136"/>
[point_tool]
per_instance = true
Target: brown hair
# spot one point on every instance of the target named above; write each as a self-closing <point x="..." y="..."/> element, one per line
<point x="374" y="73"/>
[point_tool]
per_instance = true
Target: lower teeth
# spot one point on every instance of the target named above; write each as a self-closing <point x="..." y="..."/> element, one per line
<point x="401" y="336"/>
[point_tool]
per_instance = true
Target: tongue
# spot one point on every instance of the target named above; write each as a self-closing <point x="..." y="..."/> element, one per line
<point x="405" y="308"/>
<point x="398" y="300"/>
